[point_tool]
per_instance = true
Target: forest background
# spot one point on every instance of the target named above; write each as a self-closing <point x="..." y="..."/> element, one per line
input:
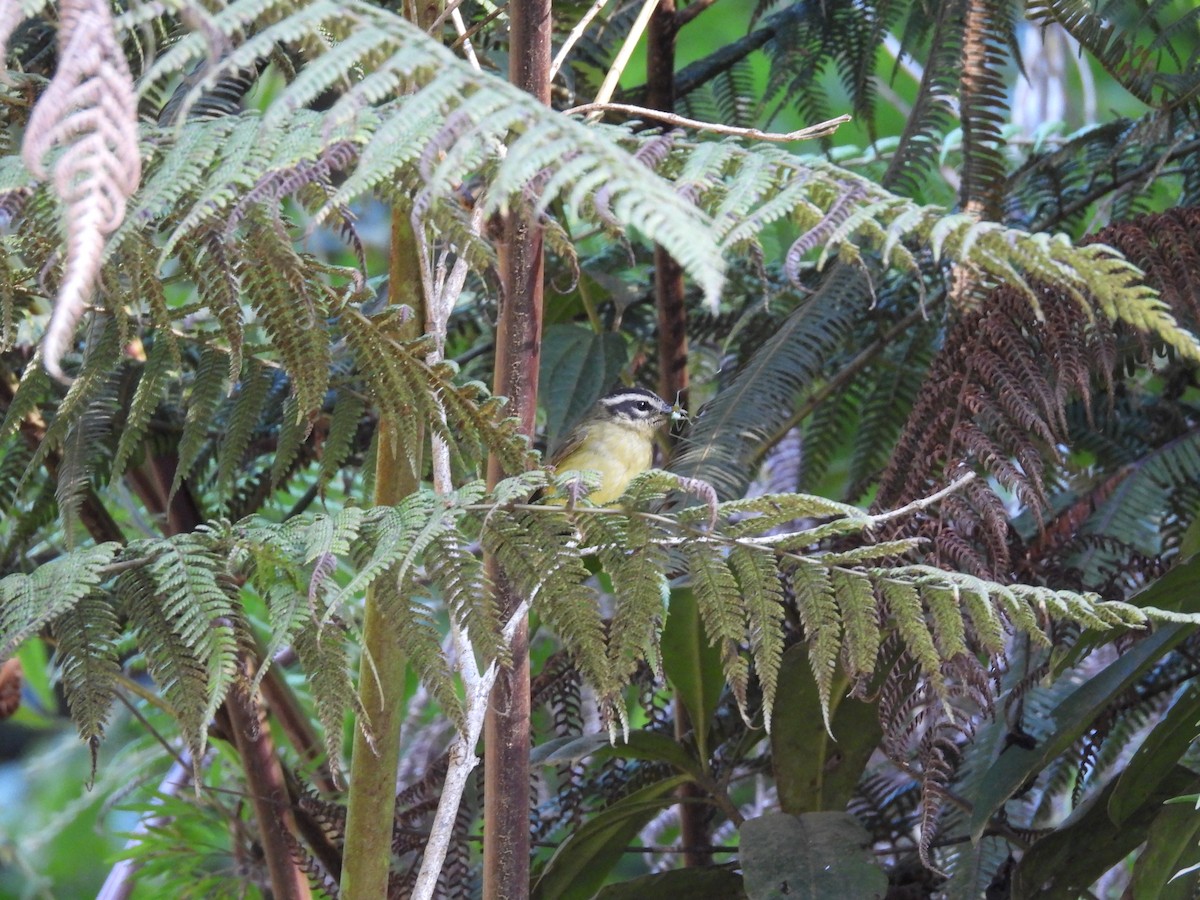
<point x="916" y="604"/>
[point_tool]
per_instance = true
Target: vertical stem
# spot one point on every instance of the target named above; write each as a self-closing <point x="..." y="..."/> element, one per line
<point x="372" y="801"/>
<point x="267" y="790"/>
<point x="518" y="354"/>
<point x="673" y="369"/>
<point x="668" y="274"/>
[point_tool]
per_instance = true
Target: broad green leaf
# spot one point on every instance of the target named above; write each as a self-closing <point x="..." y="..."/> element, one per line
<point x="1157" y="756"/>
<point x="578" y="367"/>
<point x="644" y="745"/>
<point x="817" y="856"/>
<point x="1071" y="718"/>
<point x="1171" y="846"/>
<point x="692" y="665"/>
<point x="814" y="772"/>
<point x="584" y="859"/>
<point x="1062" y="865"/>
<point x="711" y="883"/>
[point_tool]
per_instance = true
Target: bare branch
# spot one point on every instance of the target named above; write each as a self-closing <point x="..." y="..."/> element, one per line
<point x="821" y="129"/>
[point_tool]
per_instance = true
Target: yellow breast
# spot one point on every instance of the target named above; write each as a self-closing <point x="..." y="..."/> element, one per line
<point x="616" y="454"/>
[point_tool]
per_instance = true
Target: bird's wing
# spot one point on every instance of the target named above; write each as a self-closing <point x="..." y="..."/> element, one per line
<point x="572" y="443"/>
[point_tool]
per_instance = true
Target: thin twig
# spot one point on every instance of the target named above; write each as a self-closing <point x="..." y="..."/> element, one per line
<point x="575" y="35"/>
<point x="609" y="86"/>
<point x="461" y="27"/>
<point x="924" y="502"/>
<point x="821" y="129"/>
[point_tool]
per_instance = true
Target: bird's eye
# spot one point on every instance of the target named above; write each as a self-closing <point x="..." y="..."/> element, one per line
<point x="643" y="406"/>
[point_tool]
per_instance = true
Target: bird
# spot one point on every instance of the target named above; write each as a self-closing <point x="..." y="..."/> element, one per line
<point x="614" y="439"/>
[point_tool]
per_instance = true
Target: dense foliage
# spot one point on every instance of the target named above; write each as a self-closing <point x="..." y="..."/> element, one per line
<point x="916" y="576"/>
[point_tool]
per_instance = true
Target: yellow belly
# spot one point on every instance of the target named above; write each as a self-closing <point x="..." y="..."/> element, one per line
<point x="618" y="459"/>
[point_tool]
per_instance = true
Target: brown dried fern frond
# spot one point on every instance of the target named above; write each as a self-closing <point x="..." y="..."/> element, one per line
<point x="997" y="394"/>
<point x="89" y="109"/>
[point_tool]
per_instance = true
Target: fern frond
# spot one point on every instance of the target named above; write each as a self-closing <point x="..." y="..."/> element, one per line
<point x="86" y="638"/>
<point x="326" y="663"/>
<point x="207" y="391"/>
<point x="340" y="439"/>
<point x="28" y="602"/>
<point x="153" y="383"/>
<point x="247" y="408"/>
<point x="762" y="595"/>
<point x="717" y="599"/>
<point x="635" y="564"/>
<point x="861" y="633"/>
<point x="816" y="601"/>
<point x="533" y="552"/>
<point x="414" y="624"/>
<point x="181" y="607"/>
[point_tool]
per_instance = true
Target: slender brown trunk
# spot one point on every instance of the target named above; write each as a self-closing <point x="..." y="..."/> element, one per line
<point x="518" y="353"/>
<point x="247" y="729"/>
<point x="673" y="366"/>
<point x="668" y="274"/>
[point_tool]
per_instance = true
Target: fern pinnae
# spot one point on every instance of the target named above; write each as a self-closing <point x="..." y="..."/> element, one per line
<point x="194" y="593"/>
<point x="81" y="452"/>
<point x="908" y="613"/>
<point x="286" y="609"/>
<point x="717" y="599"/>
<point x="858" y="609"/>
<point x="102" y="358"/>
<point x="31" y="601"/>
<point x="634" y="563"/>
<point x="86" y="654"/>
<point x="29" y="393"/>
<point x="294" y="427"/>
<point x="245" y="410"/>
<point x="762" y="596"/>
<point x="207" y="391"/>
<point x="467" y="592"/>
<point x="420" y="639"/>
<point x="339" y="440"/>
<point x="153" y="383"/>
<point x="534" y="553"/>
<point x="389" y="542"/>
<point x="326" y="663"/>
<point x="816" y="602"/>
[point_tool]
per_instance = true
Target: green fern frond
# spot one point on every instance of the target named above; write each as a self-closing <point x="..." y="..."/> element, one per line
<point x="86" y="638"/>
<point x="291" y="309"/>
<point x="861" y="634"/>
<point x="817" y="604"/>
<point x="102" y="359"/>
<point x="246" y="410"/>
<point x="326" y="662"/>
<point x="762" y="596"/>
<point x="194" y="594"/>
<point x="30" y="392"/>
<point x="636" y="566"/>
<point x="339" y="440"/>
<point x="717" y="599"/>
<point x="294" y="427"/>
<point x="419" y="638"/>
<point x="83" y="449"/>
<point x="207" y="391"/>
<point x="393" y="539"/>
<point x="908" y="613"/>
<point x="155" y="379"/>
<point x="28" y="602"/>
<point x="467" y="593"/>
<point x="533" y="552"/>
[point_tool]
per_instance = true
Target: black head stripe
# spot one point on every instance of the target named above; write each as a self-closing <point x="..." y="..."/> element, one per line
<point x="635" y="403"/>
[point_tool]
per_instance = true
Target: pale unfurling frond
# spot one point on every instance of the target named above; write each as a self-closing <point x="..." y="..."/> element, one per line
<point x="90" y="109"/>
